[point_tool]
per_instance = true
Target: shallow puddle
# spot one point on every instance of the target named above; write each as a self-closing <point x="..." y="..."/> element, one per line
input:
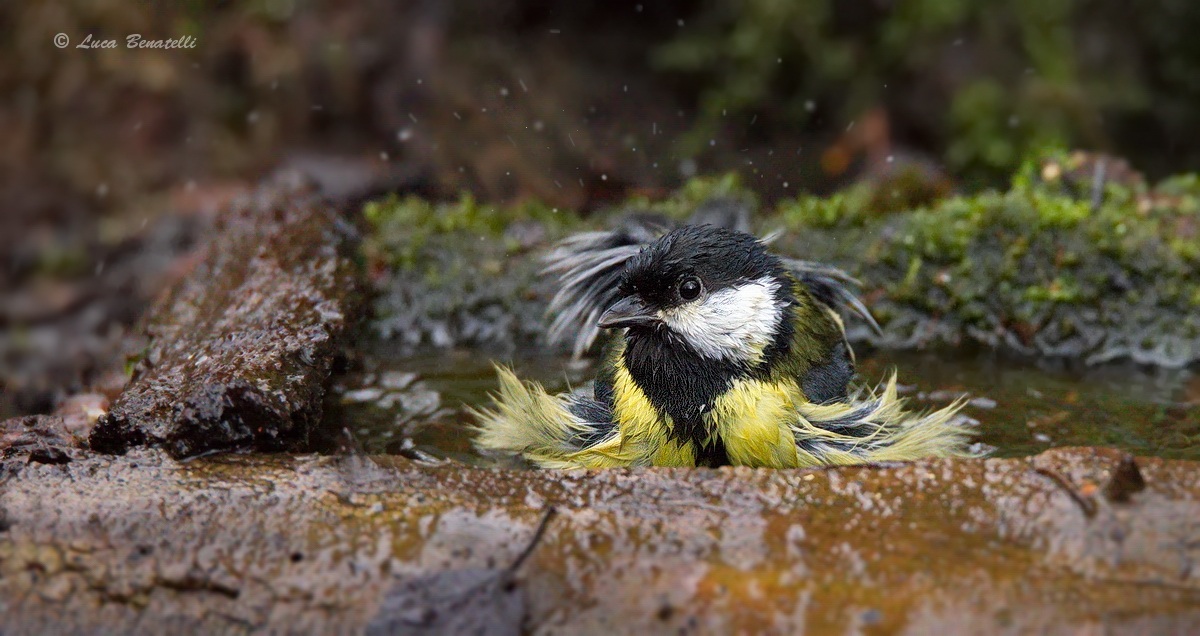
<point x="417" y="403"/>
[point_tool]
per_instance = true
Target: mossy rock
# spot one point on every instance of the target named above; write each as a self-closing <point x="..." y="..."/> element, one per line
<point x="1052" y="266"/>
<point x="467" y="274"/>
<point x="1059" y="264"/>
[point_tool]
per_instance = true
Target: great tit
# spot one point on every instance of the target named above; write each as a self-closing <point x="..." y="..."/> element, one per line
<point x="726" y="354"/>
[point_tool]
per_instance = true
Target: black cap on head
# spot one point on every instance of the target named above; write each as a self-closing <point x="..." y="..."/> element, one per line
<point x="717" y="257"/>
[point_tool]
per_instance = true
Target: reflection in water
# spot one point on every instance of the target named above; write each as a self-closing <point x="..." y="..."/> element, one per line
<point x="1021" y="408"/>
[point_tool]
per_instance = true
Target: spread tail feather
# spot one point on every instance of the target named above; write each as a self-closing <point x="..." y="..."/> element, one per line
<point x="544" y="428"/>
<point x="876" y="428"/>
<point x="570" y="431"/>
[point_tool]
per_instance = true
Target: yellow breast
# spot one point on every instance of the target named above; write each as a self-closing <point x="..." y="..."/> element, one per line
<point x="752" y="419"/>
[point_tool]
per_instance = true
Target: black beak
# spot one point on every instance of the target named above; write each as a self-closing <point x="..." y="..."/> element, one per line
<point x="628" y="312"/>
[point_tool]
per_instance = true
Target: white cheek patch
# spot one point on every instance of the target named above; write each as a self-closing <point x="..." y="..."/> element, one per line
<point x="736" y="323"/>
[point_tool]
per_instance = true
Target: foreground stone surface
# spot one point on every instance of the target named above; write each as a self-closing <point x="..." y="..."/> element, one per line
<point x="285" y="543"/>
<point x="240" y="350"/>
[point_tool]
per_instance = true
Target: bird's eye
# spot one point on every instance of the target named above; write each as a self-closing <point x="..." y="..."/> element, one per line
<point x="690" y="288"/>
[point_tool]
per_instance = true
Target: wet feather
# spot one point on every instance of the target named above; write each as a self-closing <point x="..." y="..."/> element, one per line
<point x="752" y="370"/>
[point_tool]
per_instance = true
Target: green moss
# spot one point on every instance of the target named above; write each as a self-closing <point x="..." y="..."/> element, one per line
<point x="1054" y="263"/>
<point x="400" y="229"/>
<point x="1050" y="257"/>
<point x="843" y="209"/>
<point x="1058" y="290"/>
<point x="904" y="188"/>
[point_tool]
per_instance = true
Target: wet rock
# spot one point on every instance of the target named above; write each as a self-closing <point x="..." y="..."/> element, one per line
<point x="396" y="380"/>
<point x="49" y="455"/>
<point x="463" y="297"/>
<point x="472" y="601"/>
<point x="45" y="438"/>
<point x="240" y="350"/>
<point x="301" y="543"/>
<point x="525" y="235"/>
<point x="982" y="403"/>
<point x="1039" y="270"/>
<point x="1126" y="481"/>
<point x="463" y="274"/>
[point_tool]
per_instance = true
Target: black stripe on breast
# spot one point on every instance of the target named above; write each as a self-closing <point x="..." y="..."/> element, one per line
<point x="680" y="383"/>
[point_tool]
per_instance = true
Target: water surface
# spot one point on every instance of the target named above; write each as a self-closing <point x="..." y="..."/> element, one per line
<point x="1021" y="407"/>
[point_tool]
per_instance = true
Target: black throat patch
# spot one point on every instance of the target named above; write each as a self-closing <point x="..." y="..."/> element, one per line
<point x="682" y="384"/>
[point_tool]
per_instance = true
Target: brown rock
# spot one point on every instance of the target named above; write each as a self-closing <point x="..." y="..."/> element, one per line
<point x="319" y="544"/>
<point x="240" y="349"/>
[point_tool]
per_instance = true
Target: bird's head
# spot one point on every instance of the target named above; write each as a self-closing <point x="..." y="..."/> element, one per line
<point x="717" y="291"/>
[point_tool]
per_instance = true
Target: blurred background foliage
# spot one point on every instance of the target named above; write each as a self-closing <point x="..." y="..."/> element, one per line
<point x="979" y="84"/>
<point x="577" y="103"/>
